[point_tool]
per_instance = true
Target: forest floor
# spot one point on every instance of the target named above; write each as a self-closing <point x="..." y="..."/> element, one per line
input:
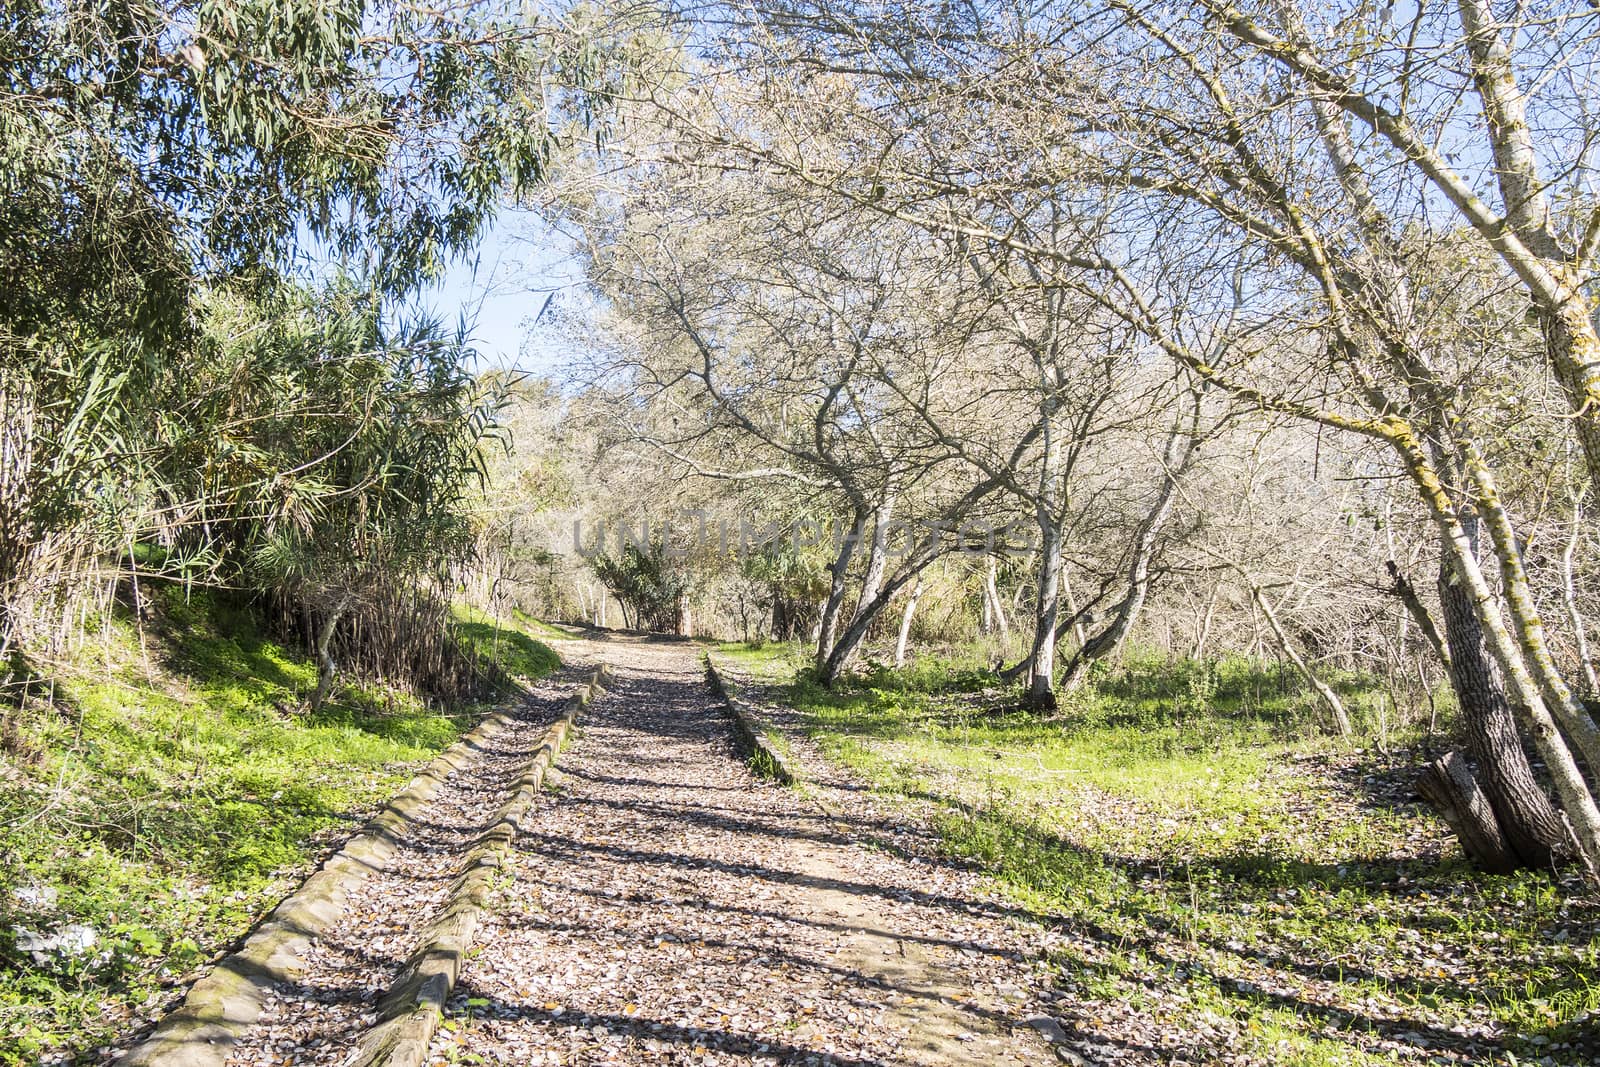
<point x="950" y="882"/>
<point x="1214" y="880"/>
<point x="667" y="905"/>
<point x="167" y="788"/>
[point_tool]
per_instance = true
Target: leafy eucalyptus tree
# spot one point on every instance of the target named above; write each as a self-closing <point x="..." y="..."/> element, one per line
<point x="159" y="159"/>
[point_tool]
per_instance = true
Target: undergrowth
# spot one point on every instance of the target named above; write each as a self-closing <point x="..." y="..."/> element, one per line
<point x="173" y="788"/>
<point x="1222" y="881"/>
<point x="508" y="642"/>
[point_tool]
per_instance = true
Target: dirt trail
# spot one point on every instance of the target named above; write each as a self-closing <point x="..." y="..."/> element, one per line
<point x="669" y="907"/>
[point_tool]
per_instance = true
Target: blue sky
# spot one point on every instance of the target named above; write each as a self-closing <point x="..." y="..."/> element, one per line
<point x="503" y="287"/>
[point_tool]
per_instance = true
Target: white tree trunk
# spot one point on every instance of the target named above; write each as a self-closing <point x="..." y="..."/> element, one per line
<point x="905" y="623"/>
<point x="1325" y="693"/>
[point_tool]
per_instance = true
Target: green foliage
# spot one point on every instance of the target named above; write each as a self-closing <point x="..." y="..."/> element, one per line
<point x="530" y="625"/>
<point x="387" y="133"/>
<point x="161" y="177"/>
<point x="333" y="453"/>
<point x="304" y="449"/>
<point x="795" y="579"/>
<point x="648" y="582"/>
<point x="507" y="648"/>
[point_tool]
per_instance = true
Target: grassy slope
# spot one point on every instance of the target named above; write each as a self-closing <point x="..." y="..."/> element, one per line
<point x="509" y="643"/>
<point x="1249" y="888"/>
<point x="173" y="794"/>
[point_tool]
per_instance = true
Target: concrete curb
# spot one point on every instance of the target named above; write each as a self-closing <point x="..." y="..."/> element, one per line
<point x="224" y="1004"/>
<point x="411" y="1011"/>
<point x="748" y="727"/>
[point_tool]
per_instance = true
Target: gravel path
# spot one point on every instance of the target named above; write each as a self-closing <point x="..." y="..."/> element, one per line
<point x="668" y="907"/>
<point x="318" y="1019"/>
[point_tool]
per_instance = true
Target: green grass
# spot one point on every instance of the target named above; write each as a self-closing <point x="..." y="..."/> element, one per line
<point x="508" y="643"/>
<point x="538" y="627"/>
<point x="170" y="795"/>
<point x="1188" y="830"/>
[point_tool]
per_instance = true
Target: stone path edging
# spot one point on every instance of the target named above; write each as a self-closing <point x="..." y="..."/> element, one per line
<point x="411" y="1011"/>
<point x="225" y="1003"/>
<point x="747" y="724"/>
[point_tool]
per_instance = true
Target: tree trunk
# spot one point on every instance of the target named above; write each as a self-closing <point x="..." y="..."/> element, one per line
<point x="998" y="609"/>
<point x="1528" y="822"/>
<point x="327" y="669"/>
<point x="1575" y="356"/>
<point x="905" y="623"/>
<point x="1177" y="455"/>
<point x="867" y="606"/>
<point x="1529" y="628"/>
<point x="1041" y="669"/>
<point x="1325" y="693"/>
<point x="1448" y="785"/>
<point x="828" y="623"/>
<point x="1041" y="661"/>
<point x="1109" y="640"/>
<point x="877" y="552"/>
<point x="1576" y="798"/>
<point x="1203" y="630"/>
<point x="1555" y="284"/>
<point x="1078" y="633"/>
<point x="865" y="615"/>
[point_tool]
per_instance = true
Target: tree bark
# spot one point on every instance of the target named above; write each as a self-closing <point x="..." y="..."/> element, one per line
<point x="1078" y="634"/>
<point x="1528" y="821"/>
<point x="1448" y="785"/>
<point x="877" y="551"/>
<point x="1203" y="630"/>
<point x="1576" y="798"/>
<point x="867" y="603"/>
<point x="1041" y="669"/>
